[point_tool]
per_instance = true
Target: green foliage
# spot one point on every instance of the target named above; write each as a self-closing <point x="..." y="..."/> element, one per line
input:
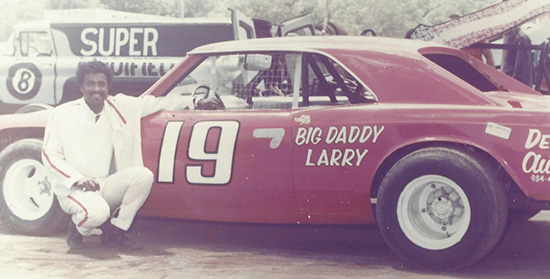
<point x="70" y="4"/>
<point x="17" y="11"/>
<point x="156" y="7"/>
<point x="391" y="18"/>
<point x="199" y="8"/>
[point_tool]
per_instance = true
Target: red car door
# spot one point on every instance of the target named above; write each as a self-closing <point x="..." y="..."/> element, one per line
<point x="219" y="165"/>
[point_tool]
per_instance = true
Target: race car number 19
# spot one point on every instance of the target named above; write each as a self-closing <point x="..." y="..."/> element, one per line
<point x="197" y="152"/>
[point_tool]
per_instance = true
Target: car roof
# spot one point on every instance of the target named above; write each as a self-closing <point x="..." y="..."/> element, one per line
<point x="319" y="43"/>
<point x="381" y="62"/>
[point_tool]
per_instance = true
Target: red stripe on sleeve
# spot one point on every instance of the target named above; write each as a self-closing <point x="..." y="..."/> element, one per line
<point x="117" y="111"/>
<point x="54" y="166"/>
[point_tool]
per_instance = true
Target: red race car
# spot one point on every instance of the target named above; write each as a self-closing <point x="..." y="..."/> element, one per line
<point x="432" y="145"/>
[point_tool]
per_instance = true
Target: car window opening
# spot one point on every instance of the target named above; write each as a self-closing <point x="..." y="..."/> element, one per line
<point x="324" y="77"/>
<point x="270" y="81"/>
<point x="463" y="70"/>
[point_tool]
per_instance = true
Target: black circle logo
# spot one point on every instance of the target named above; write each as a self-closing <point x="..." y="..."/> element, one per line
<point x="24" y="80"/>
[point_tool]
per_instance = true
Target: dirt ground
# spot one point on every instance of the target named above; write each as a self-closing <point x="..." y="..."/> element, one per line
<point x="176" y="249"/>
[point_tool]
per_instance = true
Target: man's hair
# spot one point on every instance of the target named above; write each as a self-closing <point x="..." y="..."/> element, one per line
<point x="93" y="67"/>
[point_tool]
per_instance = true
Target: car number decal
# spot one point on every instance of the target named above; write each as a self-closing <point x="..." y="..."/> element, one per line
<point x="24" y="80"/>
<point x="168" y="148"/>
<point x="276" y="135"/>
<point x="221" y="155"/>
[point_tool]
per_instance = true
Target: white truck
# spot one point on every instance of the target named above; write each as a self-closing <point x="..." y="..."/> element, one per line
<point x="38" y="63"/>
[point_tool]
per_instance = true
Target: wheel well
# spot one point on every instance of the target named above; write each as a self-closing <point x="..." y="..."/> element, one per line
<point x="506" y="180"/>
<point x="9" y="136"/>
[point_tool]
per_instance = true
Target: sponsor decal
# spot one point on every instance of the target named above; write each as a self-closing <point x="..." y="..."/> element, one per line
<point x="498" y="130"/>
<point x="141" y="39"/>
<point x="24" y="81"/>
<point x="337" y="136"/>
<point x="534" y="163"/>
<point x="115" y="41"/>
<point x="304" y="119"/>
<point x="144" y="69"/>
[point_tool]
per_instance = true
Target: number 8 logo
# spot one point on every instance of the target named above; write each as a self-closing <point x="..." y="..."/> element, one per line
<point x="24" y="80"/>
<point x="222" y="156"/>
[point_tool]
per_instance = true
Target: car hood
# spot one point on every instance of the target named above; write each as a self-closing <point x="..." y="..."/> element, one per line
<point x="519" y="100"/>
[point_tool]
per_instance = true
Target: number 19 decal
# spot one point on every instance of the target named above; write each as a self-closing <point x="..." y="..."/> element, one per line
<point x="221" y="157"/>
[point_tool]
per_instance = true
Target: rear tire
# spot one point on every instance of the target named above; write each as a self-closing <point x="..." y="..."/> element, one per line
<point x="440" y="208"/>
<point x="518" y="215"/>
<point x="27" y="202"/>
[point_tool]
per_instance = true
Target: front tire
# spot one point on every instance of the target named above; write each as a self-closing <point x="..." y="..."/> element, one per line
<point x="440" y="208"/>
<point x="27" y="202"/>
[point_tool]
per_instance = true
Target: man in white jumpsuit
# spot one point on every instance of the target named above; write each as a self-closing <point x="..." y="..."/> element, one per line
<point x="92" y="148"/>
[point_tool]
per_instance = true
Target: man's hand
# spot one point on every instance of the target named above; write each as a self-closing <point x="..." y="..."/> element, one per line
<point x="211" y="103"/>
<point x="87" y="184"/>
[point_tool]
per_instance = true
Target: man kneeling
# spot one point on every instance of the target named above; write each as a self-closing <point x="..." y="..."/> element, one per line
<point x="92" y="149"/>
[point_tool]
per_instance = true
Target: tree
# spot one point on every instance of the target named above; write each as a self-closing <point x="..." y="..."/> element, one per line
<point x="155" y="7"/>
<point x="392" y="18"/>
<point x="272" y="11"/>
<point x="13" y="12"/>
<point x="199" y="8"/>
<point x="68" y="4"/>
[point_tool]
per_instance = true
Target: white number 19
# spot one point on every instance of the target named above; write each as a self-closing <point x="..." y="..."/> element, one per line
<point x="222" y="156"/>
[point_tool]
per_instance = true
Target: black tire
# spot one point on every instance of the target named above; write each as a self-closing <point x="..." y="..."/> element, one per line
<point x="27" y="202"/>
<point x="442" y="235"/>
<point x="32" y="108"/>
<point x="517" y="215"/>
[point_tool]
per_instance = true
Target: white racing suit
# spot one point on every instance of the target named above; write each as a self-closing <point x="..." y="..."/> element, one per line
<point x="78" y="146"/>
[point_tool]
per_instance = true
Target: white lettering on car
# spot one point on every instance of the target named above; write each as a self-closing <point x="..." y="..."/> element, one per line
<point x="106" y="41"/>
<point x="311" y="135"/>
<point x="336" y="157"/>
<point x="534" y="163"/>
<point x="337" y="136"/>
<point x="89" y="41"/>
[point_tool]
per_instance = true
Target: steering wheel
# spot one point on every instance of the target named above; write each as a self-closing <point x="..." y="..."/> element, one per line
<point x="368" y="32"/>
<point x="197" y="91"/>
<point x="205" y="91"/>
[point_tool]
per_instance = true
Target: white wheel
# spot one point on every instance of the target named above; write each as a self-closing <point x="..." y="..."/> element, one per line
<point x="433" y="212"/>
<point x="28" y="190"/>
<point x="27" y="202"/>
<point x="441" y="208"/>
